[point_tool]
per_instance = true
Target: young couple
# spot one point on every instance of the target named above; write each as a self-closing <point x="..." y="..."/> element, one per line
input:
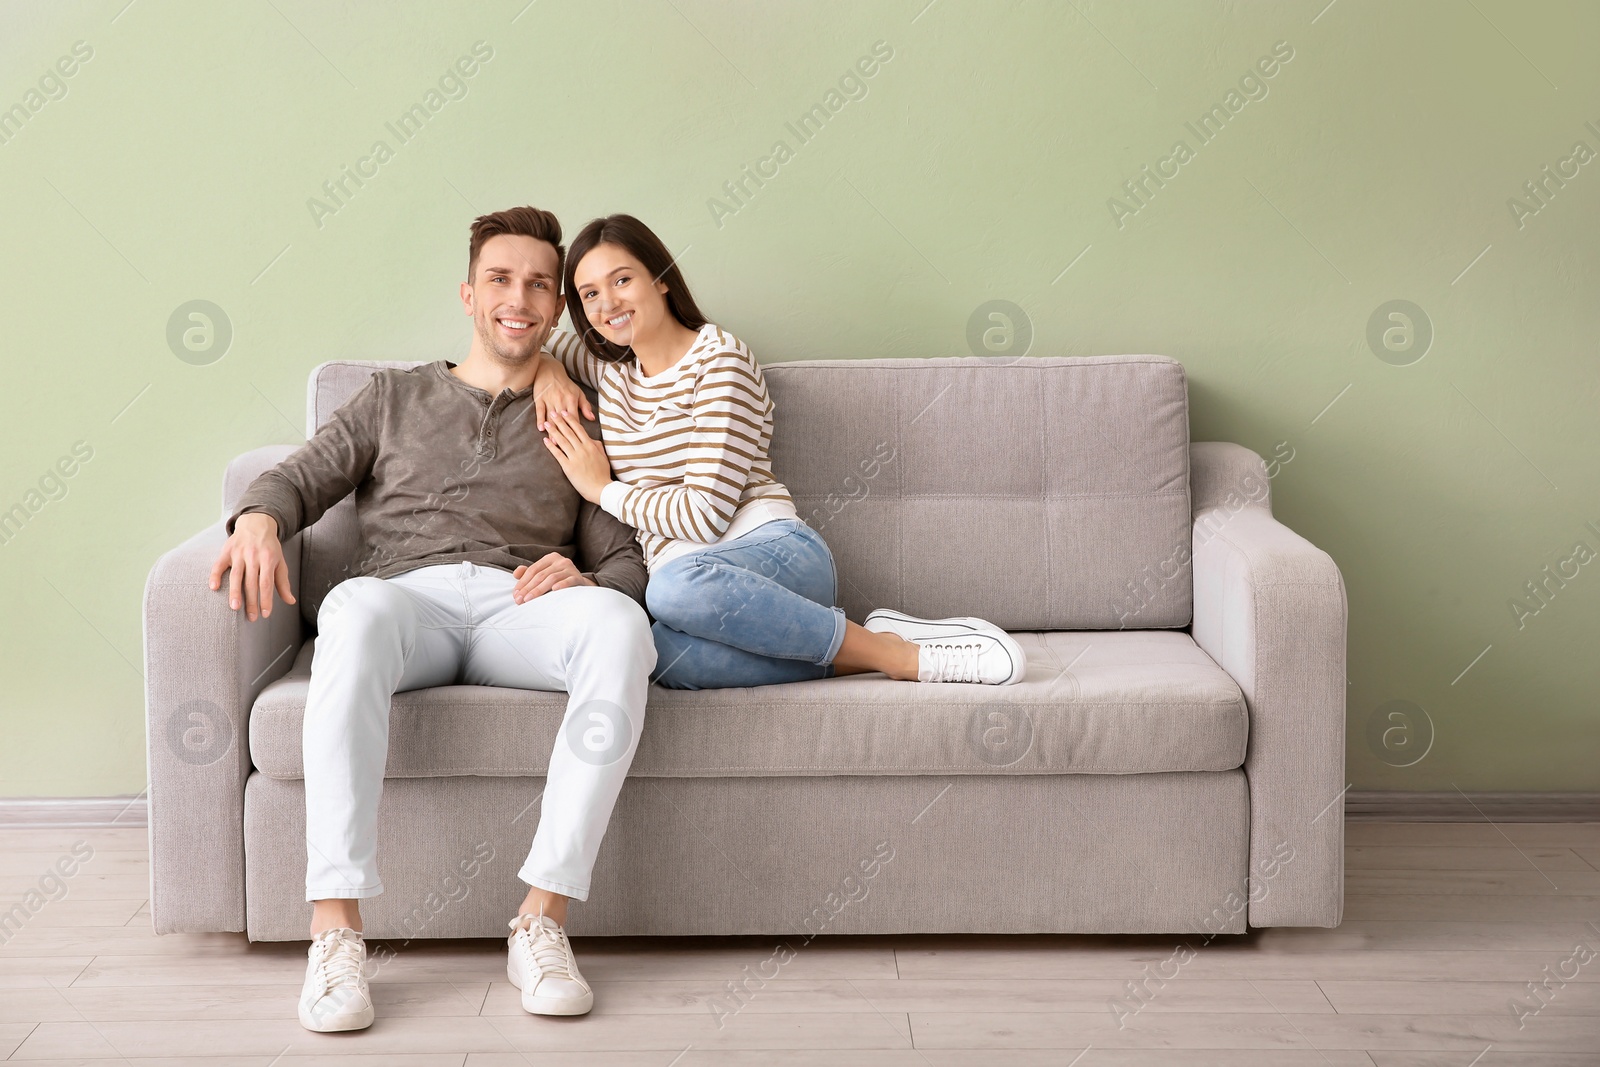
<point x="504" y="551"/>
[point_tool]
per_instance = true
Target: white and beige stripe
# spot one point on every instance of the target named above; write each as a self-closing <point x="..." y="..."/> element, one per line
<point x="688" y="447"/>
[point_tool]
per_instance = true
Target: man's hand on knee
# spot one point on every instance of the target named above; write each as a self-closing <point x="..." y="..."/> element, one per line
<point x="553" y="571"/>
<point x="255" y="559"/>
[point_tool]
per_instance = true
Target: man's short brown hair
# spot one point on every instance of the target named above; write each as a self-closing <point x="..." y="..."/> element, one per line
<point x="519" y="221"/>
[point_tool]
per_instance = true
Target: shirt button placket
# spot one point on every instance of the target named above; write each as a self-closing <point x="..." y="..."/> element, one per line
<point x="485" y="433"/>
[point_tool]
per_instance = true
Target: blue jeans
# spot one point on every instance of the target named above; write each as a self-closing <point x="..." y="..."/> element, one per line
<point x="756" y="611"/>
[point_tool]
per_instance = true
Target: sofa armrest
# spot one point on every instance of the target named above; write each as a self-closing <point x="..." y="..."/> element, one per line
<point x="205" y="664"/>
<point x="1270" y="608"/>
<point x="245" y="468"/>
<point x="1223" y="474"/>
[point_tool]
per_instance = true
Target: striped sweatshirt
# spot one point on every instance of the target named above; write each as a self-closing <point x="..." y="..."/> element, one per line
<point x="688" y="446"/>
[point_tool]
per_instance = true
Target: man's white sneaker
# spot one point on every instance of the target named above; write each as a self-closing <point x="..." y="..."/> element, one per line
<point x="335" y="995"/>
<point x="962" y="649"/>
<point x="541" y="964"/>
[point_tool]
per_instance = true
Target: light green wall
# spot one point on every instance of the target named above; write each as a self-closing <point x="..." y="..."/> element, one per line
<point x="977" y="167"/>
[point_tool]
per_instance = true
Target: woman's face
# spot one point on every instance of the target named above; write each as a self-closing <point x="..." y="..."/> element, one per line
<point x="618" y="297"/>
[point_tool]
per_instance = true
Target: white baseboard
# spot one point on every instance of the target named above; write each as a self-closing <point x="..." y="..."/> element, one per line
<point x="1382" y="805"/>
<point x="74" y="811"/>
<point x="1367" y="805"/>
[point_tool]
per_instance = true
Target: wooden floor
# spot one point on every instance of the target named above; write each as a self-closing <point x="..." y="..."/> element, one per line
<point x="1446" y="924"/>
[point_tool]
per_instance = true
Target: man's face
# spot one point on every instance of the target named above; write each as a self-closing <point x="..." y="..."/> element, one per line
<point x="514" y="297"/>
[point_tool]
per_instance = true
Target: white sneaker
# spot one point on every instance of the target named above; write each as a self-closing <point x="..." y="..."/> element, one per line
<point x="541" y="964"/>
<point x="962" y="649"/>
<point x="335" y="995"/>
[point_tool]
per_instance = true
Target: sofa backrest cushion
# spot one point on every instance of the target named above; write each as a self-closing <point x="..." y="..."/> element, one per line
<point x="330" y="548"/>
<point x="1045" y="493"/>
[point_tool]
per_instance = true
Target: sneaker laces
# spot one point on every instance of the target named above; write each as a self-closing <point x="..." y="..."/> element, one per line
<point x="544" y="943"/>
<point x="953" y="661"/>
<point x="338" y="960"/>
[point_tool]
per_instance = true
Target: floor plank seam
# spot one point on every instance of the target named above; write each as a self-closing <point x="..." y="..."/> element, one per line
<point x="1331" y="1005"/>
<point x="24" y="1041"/>
<point x="81" y="971"/>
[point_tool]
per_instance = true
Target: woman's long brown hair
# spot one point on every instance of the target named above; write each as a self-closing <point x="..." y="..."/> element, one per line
<point x="642" y="244"/>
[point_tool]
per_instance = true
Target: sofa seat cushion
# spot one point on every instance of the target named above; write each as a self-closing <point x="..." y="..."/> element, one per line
<point x="1093" y="702"/>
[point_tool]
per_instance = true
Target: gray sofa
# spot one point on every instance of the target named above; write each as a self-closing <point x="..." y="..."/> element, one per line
<point x="1173" y="761"/>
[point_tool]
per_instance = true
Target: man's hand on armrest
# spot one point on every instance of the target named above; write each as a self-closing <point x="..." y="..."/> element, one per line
<point x="255" y="558"/>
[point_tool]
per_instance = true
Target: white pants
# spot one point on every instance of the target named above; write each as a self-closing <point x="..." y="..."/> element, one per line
<point x="456" y="624"/>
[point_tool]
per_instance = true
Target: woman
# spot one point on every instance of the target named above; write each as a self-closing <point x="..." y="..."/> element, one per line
<point x="741" y="589"/>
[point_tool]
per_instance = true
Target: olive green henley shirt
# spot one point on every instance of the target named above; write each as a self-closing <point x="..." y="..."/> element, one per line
<point x="443" y="472"/>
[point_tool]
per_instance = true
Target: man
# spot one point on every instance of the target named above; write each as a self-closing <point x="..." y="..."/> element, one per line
<point x="470" y="575"/>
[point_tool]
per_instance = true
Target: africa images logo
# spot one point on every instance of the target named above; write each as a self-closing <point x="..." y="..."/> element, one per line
<point x="453" y="84"/>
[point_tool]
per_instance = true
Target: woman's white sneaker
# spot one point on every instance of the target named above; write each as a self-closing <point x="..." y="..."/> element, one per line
<point x="541" y="964"/>
<point x="335" y="995"/>
<point x="962" y="649"/>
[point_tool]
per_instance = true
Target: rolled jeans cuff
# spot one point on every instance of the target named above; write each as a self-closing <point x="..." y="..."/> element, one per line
<point x="838" y="638"/>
